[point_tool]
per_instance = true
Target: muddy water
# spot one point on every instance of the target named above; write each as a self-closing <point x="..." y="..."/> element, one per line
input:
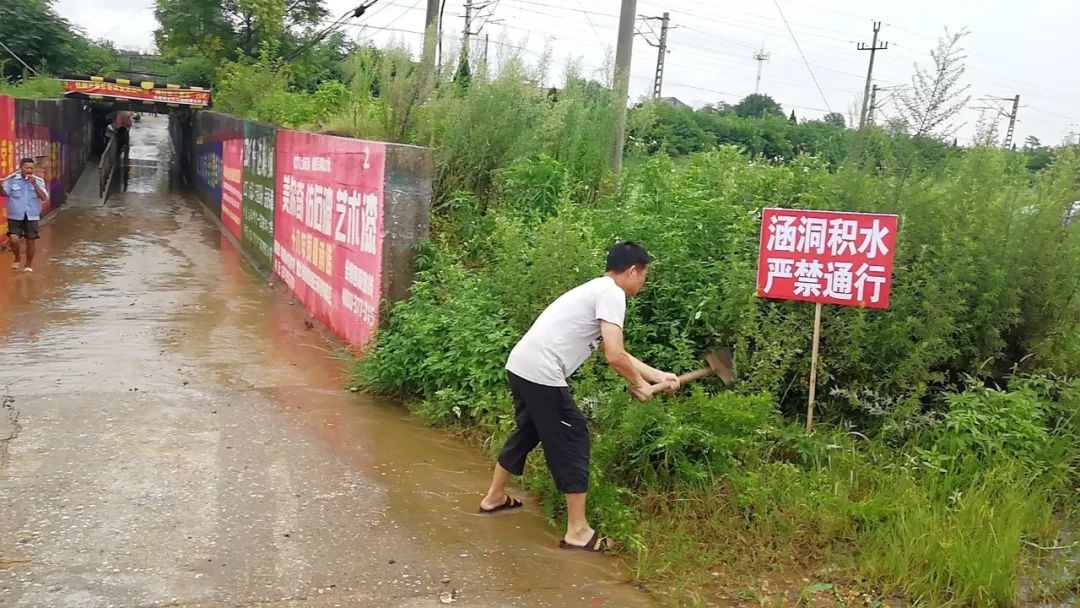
<point x="173" y="433"/>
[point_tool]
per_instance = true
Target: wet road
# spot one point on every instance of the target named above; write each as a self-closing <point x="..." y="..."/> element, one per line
<point x="173" y="434"/>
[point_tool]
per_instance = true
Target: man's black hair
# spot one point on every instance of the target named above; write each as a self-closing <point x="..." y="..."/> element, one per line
<point x="26" y="160"/>
<point x="626" y="254"/>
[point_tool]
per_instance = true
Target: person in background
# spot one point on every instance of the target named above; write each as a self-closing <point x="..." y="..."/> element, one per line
<point x="26" y="193"/>
<point x="578" y="323"/>
<point x="123" y="124"/>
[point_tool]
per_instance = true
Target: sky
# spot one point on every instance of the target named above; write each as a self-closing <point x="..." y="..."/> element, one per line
<point x="1012" y="49"/>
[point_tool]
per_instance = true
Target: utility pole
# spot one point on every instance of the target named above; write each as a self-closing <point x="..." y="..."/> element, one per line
<point x="661" y="43"/>
<point x="658" y="82"/>
<point x="873" y="48"/>
<point x="468" y="28"/>
<point x="1012" y="123"/>
<point x="995" y="107"/>
<point x="623" y="52"/>
<point x="873" y="105"/>
<point x="432" y="34"/>
<point x="761" y="57"/>
<point x="472" y="13"/>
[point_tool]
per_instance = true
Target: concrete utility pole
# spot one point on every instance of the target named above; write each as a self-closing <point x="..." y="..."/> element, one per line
<point x="432" y="33"/>
<point x="761" y="57"/>
<point x="468" y="28"/>
<point x="623" y="53"/>
<point x="873" y="48"/>
<point x="473" y="13"/>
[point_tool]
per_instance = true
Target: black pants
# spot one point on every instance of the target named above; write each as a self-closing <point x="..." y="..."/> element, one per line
<point x="547" y="415"/>
<point x="24" y="228"/>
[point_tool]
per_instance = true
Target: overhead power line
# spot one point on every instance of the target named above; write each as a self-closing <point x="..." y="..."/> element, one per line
<point x="566" y="8"/>
<point x="591" y="24"/>
<point x="803" y="55"/>
<point x="19" y="59"/>
<point x="354" y="13"/>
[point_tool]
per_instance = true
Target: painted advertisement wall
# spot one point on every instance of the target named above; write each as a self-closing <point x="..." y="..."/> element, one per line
<point x="208" y="173"/>
<point x="7" y="153"/>
<point x="260" y="169"/>
<point x="55" y="133"/>
<point x="328" y="232"/>
<point x="232" y="161"/>
<point x="325" y="214"/>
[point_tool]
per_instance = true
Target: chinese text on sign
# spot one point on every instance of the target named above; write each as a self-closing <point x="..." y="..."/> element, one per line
<point x="827" y="257"/>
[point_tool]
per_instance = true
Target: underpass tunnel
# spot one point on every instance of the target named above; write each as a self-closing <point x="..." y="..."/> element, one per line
<point x="169" y="107"/>
<point x="156" y="121"/>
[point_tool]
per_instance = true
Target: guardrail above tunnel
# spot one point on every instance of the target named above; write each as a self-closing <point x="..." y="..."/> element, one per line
<point x="139" y="96"/>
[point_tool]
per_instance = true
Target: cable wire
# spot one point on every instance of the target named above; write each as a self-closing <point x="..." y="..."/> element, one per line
<point x="803" y="55"/>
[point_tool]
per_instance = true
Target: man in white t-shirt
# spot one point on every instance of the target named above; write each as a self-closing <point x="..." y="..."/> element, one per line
<point x="560" y="340"/>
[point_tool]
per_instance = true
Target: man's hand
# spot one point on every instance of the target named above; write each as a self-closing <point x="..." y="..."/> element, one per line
<point x="642" y="392"/>
<point x="37" y="188"/>
<point x="672" y="381"/>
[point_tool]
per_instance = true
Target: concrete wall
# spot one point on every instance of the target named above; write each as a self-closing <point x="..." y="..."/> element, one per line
<point x="407" y="214"/>
<point x="54" y="132"/>
<point x="207" y="146"/>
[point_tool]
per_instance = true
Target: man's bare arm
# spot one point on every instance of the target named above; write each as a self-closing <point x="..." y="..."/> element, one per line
<point x="622" y="362"/>
<point x="648" y="372"/>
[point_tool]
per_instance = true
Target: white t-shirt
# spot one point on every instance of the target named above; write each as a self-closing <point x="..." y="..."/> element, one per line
<point x="567" y="332"/>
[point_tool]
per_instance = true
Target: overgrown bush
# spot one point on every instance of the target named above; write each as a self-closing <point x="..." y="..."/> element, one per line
<point x="918" y="459"/>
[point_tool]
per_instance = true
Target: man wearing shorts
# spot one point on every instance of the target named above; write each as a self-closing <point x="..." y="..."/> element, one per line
<point x="25" y="193"/>
<point x="560" y="340"/>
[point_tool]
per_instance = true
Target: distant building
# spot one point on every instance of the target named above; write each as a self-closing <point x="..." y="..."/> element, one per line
<point x="674" y="102"/>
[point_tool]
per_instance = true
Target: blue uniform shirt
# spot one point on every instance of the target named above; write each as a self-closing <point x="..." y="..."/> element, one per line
<point x="23" y="201"/>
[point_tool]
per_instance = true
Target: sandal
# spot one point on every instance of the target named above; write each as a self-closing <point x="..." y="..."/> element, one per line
<point x="511" y="503"/>
<point x="596" y="544"/>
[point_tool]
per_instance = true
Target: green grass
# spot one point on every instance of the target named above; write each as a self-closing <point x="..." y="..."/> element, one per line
<point x="36" y="88"/>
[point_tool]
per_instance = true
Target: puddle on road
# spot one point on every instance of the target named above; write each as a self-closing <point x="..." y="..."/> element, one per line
<point x="145" y="295"/>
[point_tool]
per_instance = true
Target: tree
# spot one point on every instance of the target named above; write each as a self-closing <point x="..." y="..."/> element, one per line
<point x="720" y="107"/>
<point x="320" y="62"/>
<point x="938" y="93"/>
<point x="463" y="76"/>
<point x="47" y="42"/>
<point x="897" y="127"/>
<point x="986" y="129"/>
<point x="219" y="29"/>
<point x="835" y="119"/>
<point x="793" y="119"/>
<point x="100" y="59"/>
<point x="758" y="106"/>
<point x="1032" y="143"/>
<point x="193" y="71"/>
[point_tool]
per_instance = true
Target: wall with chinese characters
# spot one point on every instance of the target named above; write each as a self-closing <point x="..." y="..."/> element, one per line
<point x="335" y="219"/>
<point x="55" y="133"/>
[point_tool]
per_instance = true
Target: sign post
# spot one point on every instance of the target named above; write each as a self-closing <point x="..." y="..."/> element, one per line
<point x="813" y="369"/>
<point x="826" y="257"/>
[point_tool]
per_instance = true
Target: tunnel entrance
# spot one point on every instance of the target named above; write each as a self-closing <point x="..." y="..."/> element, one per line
<point x="117" y="105"/>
